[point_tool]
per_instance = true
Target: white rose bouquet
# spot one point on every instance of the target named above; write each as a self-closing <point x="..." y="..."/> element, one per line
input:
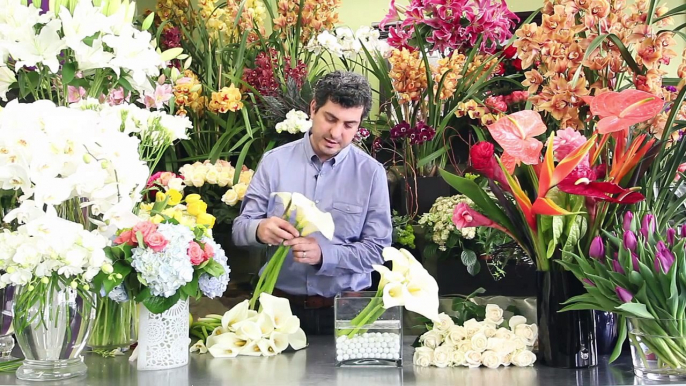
<point x="492" y="342"/>
<point x="219" y="184"/>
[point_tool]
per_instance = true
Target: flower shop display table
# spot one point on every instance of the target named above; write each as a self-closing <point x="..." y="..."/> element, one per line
<point x="315" y="366"/>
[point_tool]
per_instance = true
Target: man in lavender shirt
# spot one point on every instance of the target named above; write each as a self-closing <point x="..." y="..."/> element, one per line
<point x="340" y="179"/>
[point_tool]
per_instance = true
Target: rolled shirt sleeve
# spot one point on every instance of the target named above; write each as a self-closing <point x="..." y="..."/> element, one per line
<point x="359" y="256"/>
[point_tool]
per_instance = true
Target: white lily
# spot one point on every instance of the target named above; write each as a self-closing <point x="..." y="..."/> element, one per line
<point x="265" y="323"/>
<point x="235" y="315"/>
<point x="298" y="340"/>
<point x="199" y="347"/>
<point x="278" y="341"/>
<point x="387" y="276"/>
<point x="6" y="79"/>
<point x="278" y="309"/>
<point x="393" y="295"/>
<point x="265" y="347"/>
<point x="226" y="346"/>
<point x="251" y="349"/>
<point x="309" y="219"/>
<point x="42" y="48"/>
<point x="421" y="295"/>
<point x="248" y="330"/>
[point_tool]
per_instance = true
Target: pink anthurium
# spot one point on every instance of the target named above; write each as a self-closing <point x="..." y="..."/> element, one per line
<point x="621" y="110"/>
<point x="516" y="133"/>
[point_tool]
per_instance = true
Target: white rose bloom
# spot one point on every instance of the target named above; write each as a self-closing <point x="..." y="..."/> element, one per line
<point x="516" y="320"/>
<point x="507" y="359"/>
<point x="431" y="339"/>
<point x="479" y="342"/>
<point x="423" y="356"/>
<point x="488" y="330"/>
<point x="523" y="358"/>
<point x="443" y="356"/>
<point x="473" y="358"/>
<point x="457" y="357"/>
<point x="443" y="323"/>
<point x="527" y="332"/>
<point x="490" y="359"/>
<point x="176" y="184"/>
<point x="495" y="344"/>
<point x="472" y="327"/>
<point x="455" y="335"/>
<point x="494" y="314"/>
<point x="504" y="333"/>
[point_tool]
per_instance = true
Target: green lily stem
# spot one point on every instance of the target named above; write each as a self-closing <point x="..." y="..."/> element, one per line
<point x="370" y="313"/>
<point x="270" y="274"/>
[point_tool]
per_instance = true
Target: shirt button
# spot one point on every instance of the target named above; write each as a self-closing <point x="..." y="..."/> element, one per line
<point x="347" y="208"/>
<point x="316" y="201"/>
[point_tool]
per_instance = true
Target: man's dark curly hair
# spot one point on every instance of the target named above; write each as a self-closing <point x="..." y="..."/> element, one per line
<point x="345" y="88"/>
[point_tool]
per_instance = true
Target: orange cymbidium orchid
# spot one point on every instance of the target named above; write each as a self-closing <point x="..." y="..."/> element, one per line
<point x="621" y="110"/>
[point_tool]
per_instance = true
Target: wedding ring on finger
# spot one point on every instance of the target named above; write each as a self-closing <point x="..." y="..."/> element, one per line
<point x="304" y="254"/>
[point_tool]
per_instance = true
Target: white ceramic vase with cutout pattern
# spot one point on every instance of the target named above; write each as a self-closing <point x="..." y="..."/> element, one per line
<point x="163" y="338"/>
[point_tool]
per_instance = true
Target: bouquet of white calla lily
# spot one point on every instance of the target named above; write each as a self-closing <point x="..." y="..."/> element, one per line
<point x="307" y="218"/>
<point x="408" y="284"/>
<point x="241" y="331"/>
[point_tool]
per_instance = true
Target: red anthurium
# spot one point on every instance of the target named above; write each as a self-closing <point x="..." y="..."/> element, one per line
<point x="621" y="110"/>
<point x="582" y="182"/>
<point x="516" y="133"/>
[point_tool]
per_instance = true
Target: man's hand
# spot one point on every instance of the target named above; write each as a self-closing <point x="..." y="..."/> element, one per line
<point x="275" y="230"/>
<point x="306" y="250"/>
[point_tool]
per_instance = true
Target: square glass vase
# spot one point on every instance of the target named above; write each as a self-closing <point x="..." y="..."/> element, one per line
<point x="658" y="348"/>
<point x="367" y="335"/>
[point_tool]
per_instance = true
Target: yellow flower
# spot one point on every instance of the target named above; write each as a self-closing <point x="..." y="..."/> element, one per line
<point x="187" y="221"/>
<point x="192" y="198"/>
<point x="240" y="189"/>
<point x="227" y="99"/>
<point x="195" y="208"/>
<point x="157" y="219"/>
<point x="159" y="196"/>
<point x="174" y="197"/>
<point x="146" y="207"/>
<point x="206" y="219"/>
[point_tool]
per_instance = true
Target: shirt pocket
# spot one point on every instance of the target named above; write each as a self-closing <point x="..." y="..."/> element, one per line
<point x="348" y="220"/>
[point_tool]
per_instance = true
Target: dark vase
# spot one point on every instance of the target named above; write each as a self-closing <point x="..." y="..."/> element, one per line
<point x="420" y="196"/>
<point x="606" y="331"/>
<point x="565" y="339"/>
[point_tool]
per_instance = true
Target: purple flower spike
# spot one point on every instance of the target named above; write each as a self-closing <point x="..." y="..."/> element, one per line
<point x="624" y="295"/>
<point x="671" y="236"/>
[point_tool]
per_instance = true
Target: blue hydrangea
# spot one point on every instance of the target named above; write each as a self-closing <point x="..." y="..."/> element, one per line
<point x="215" y="286"/>
<point x="166" y="271"/>
<point x="118" y="294"/>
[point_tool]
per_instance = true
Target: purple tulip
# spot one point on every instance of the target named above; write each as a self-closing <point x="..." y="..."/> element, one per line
<point x="630" y="241"/>
<point x="671" y="236"/>
<point x="683" y="230"/>
<point x="628" y="219"/>
<point x="588" y="282"/>
<point x="623" y="294"/>
<point x="634" y="261"/>
<point x="617" y="267"/>
<point x="648" y="225"/>
<point x="663" y="258"/>
<point x="597" y="250"/>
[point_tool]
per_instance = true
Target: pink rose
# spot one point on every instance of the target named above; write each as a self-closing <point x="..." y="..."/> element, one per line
<point x="209" y="251"/>
<point x="155" y="241"/>
<point x="145" y="227"/>
<point x="196" y="253"/>
<point x="126" y="237"/>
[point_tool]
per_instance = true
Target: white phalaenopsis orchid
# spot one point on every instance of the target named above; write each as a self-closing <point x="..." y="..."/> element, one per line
<point x="247" y="332"/>
<point x="48" y="244"/>
<point x="409" y="284"/>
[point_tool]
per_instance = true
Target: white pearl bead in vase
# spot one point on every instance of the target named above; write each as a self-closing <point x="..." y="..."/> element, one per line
<point x="372" y="345"/>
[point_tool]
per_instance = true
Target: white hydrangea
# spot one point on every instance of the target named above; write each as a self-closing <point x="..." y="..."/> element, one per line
<point x="166" y="271"/>
<point x="215" y="286"/>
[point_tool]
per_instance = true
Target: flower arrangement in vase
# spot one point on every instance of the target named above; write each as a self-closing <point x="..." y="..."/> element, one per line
<point x="638" y="273"/>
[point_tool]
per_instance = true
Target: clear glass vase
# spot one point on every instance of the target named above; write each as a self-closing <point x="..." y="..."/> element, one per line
<point x="658" y="348"/>
<point x="6" y="330"/>
<point x="366" y="333"/>
<point x="52" y="323"/>
<point x="115" y="326"/>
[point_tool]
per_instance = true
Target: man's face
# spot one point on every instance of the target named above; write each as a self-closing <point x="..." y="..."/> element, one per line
<point x="333" y="128"/>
